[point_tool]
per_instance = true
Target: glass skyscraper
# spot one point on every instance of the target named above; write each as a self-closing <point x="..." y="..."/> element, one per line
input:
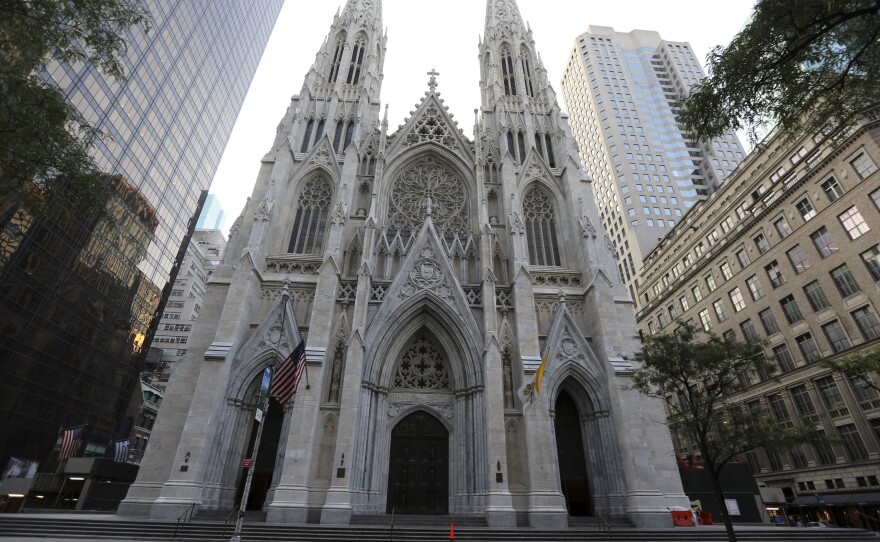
<point x="76" y="299"/>
<point x="212" y="216"/>
<point x="620" y="89"/>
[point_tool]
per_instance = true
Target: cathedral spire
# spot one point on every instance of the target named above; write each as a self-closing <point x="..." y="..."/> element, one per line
<point x="503" y="16"/>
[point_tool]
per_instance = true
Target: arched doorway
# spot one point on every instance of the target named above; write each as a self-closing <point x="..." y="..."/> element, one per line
<point x="266" y="455"/>
<point x="418" y="474"/>
<point x="572" y="461"/>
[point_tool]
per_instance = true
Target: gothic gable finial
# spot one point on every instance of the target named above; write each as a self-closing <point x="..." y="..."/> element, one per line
<point x="432" y="82"/>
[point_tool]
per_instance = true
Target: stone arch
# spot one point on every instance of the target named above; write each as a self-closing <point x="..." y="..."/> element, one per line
<point x="311" y="209"/>
<point x="461" y="407"/>
<point x="388" y="332"/>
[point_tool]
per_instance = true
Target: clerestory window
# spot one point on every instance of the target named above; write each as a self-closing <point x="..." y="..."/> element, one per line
<point x="357" y="61"/>
<point x="507" y="73"/>
<point x="337" y="59"/>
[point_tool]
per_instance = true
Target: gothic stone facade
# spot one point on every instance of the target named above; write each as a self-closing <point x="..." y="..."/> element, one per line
<point x="430" y="275"/>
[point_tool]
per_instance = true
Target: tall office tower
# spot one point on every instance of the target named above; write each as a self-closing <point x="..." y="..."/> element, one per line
<point x="212" y="216"/>
<point x="428" y="292"/>
<point x="620" y="89"/>
<point x="76" y="299"/>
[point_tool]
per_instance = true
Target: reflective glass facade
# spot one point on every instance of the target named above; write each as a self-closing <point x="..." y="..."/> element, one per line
<point x="71" y="333"/>
<point x="620" y="90"/>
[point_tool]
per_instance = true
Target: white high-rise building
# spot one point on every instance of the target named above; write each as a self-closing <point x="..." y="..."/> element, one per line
<point x="621" y="90"/>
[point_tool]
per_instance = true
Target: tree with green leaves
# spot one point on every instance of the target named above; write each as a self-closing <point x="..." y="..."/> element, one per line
<point x="858" y="365"/>
<point x="807" y="67"/>
<point x="45" y="143"/>
<point x="699" y="376"/>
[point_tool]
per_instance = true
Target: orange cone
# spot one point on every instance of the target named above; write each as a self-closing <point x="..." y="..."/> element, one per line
<point x="451" y="531"/>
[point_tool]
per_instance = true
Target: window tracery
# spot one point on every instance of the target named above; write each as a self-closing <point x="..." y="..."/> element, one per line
<point x="527" y="71"/>
<point x="431" y="127"/>
<point x="312" y="213"/>
<point x="337" y="59"/>
<point x="428" y="183"/>
<point x="357" y="61"/>
<point x="422" y="367"/>
<point x="540" y="222"/>
<point x="507" y="73"/>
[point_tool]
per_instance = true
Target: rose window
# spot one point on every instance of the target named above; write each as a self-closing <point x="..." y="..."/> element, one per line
<point x="428" y="183"/>
<point x="422" y="367"/>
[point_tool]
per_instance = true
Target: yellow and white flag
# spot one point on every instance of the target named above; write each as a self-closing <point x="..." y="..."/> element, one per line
<point x="540" y="374"/>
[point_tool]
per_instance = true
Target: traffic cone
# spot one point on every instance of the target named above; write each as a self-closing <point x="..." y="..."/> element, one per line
<point x="451" y="531"/>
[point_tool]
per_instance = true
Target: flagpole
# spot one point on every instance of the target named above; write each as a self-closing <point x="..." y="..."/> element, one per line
<point x="263" y="404"/>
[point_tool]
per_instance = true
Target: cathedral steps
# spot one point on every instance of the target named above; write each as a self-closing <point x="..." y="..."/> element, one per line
<point x="409" y="520"/>
<point x="114" y="528"/>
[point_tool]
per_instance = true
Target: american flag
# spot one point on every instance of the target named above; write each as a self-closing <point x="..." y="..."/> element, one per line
<point x="120" y="450"/>
<point x="287" y="376"/>
<point x="70" y="442"/>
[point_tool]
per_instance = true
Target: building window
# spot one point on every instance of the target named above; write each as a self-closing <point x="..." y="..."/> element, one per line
<point x="357" y="61"/>
<point x="661" y="320"/>
<point x="710" y="282"/>
<point x="871" y="257"/>
<point x="541" y="238"/>
<point x="779" y="410"/>
<point x="802" y="401"/>
<point x="863" y="388"/>
<point x="867" y="321"/>
<point x="755" y="289"/>
<point x="729" y="336"/>
<point x="798" y="259"/>
<point x="807" y="345"/>
<point x="698" y="295"/>
<point x="749" y="332"/>
<point x="507" y="73"/>
<point x="853" y="223"/>
<point x="683" y="300"/>
<point x="863" y="165"/>
<point x="761" y="243"/>
<point x="736" y="298"/>
<point x="783" y="358"/>
<point x="774" y="274"/>
<point x="705" y="321"/>
<point x="824" y="242"/>
<point x="824" y="452"/>
<point x="816" y="296"/>
<point x="805" y="208"/>
<point x="836" y="336"/>
<point x="743" y="258"/>
<point x="790" y="309"/>
<point x="527" y="71"/>
<point x="337" y="59"/>
<point x="312" y="213"/>
<point x="852" y="442"/>
<point x="845" y="281"/>
<point x="832" y="189"/>
<point x="768" y="320"/>
<point x="782" y="227"/>
<point x="726" y="271"/>
<point x="720" y="311"/>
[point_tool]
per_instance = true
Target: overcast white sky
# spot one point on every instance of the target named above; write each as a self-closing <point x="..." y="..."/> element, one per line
<point x="422" y="35"/>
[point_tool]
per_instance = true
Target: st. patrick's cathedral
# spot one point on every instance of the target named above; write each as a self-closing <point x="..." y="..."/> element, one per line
<point x="430" y="275"/>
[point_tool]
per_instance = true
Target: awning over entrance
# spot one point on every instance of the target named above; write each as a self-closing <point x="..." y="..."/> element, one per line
<point x="838" y="499"/>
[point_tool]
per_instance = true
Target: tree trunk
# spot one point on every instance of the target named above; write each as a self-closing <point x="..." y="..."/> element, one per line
<point x="719" y="495"/>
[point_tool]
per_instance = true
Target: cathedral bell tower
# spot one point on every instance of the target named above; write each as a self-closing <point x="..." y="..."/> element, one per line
<point x="430" y="276"/>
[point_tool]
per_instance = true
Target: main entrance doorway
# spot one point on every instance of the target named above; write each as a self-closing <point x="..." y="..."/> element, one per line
<point x="418" y="476"/>
<point x="572" y="461"/>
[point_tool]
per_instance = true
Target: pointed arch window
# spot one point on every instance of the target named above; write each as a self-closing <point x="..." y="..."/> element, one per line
<point x="527" y="71"/>
<point x="510" y="146"/>
<point x="507" y="73"/>
<point x="551" y="159"/>
<point x="319" y="131"/>
<point x="522" y="146"/>
<point x="312" y="213"/>
<point x="337" y="59"/>
<point x="540" y="218"/>
<point x="337" y="138"/>
<point x="357" y="61"/>
<point x="307" y="136"/>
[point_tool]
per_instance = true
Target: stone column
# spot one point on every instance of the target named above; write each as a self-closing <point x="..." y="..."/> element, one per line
<point x="546" y="502"/>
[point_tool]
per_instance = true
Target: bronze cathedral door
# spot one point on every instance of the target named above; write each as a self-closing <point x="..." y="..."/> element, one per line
<point x="418" y="475"/>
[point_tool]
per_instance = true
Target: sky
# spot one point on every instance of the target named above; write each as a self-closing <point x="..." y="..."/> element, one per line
<point x="425" y="35"/>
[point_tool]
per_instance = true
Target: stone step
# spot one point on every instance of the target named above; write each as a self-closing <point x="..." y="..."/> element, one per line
<point x="115" y="528"/>
<point x="418" y="520"/>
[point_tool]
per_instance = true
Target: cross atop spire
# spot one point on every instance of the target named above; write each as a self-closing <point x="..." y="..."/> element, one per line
<point x="432" y="82"/>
